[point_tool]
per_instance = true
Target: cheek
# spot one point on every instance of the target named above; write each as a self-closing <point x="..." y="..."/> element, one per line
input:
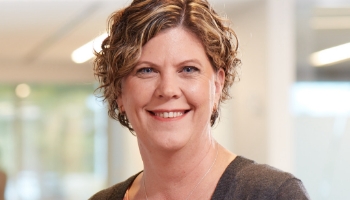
<point x="131" y="95"/>
<point x="201" y="92"/>
<point x="137" y="93"/>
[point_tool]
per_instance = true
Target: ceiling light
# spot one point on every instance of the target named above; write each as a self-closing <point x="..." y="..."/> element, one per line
<point x="22" y="90"/>
<point x="86" y="52"/>
<point x="331" y="55"/>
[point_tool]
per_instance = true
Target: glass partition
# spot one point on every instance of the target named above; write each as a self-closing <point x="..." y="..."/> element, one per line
<point x="322" y="130"/>
<point x="52" y="141"/>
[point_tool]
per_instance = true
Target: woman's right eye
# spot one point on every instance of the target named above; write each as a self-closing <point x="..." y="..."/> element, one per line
<point x="145" y="70"/>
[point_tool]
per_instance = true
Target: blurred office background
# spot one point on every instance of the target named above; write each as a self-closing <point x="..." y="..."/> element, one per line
<point x="287" y="110"/>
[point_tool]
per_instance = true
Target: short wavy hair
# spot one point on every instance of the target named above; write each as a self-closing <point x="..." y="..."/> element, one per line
<point x="132" y="27"/>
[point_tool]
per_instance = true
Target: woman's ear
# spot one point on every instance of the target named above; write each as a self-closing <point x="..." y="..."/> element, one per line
<point x="219" y="84"/>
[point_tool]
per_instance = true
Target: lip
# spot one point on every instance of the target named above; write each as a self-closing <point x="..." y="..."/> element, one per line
<point x="168" y="115"/>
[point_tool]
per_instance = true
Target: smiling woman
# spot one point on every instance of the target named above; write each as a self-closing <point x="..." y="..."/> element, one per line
<point x="158" y="87"/>
<point x="134" y="26"/>
<point x="164" y="68"/>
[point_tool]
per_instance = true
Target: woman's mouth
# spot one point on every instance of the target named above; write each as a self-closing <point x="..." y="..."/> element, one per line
<point x="171" y="114"/>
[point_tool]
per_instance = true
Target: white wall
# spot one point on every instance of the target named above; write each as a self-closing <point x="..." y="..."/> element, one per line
<point x="261" y="121"/>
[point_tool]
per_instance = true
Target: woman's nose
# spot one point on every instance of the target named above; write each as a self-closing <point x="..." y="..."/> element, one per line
<point x="169" y="87"/>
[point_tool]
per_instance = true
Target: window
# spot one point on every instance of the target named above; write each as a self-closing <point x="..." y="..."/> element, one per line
<point x="322" y="129"/>
<point x="53" y="142"/>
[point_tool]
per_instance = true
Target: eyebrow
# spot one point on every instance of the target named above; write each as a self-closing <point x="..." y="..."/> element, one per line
<point x="180" y="63"/>
<point x="190" y="60"/>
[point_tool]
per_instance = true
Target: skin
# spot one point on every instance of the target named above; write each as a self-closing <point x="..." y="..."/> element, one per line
<point x="174" y="77"/>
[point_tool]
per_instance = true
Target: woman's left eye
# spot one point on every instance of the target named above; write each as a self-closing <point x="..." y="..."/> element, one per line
<point x="190" y="69"/>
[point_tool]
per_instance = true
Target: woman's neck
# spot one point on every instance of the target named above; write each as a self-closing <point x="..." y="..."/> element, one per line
<point x="175" y="174"/>
<point x="177" y="181"/>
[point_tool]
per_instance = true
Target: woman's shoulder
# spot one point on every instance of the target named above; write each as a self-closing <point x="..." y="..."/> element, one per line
<point x="116" y="191"/>
<point x="253" y="173"/>
<point x="244" y="177"/>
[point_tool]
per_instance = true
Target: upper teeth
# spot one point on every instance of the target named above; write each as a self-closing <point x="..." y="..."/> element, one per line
<point x="169" y="114"/>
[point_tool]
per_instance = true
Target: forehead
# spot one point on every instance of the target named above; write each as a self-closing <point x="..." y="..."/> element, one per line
<point x="174" y="43"/>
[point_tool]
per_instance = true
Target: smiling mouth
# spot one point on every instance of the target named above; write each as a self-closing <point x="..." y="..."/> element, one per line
<point x="169" y="114"/>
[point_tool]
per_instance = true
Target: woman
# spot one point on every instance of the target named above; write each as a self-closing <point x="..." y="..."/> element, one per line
<point x="164" y="70"/>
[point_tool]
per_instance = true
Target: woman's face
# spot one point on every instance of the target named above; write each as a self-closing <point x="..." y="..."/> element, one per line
<point x="169" y="96"/>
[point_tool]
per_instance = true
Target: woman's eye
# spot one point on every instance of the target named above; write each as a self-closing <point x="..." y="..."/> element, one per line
<point x="145" y="70"/>
<point x="189" y="69"/>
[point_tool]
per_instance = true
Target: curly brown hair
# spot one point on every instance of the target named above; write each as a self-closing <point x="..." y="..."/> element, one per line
<point x="132" y="27"/>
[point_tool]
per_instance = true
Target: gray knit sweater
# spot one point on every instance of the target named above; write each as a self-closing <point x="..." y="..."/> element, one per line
<point x="242" y="179"/>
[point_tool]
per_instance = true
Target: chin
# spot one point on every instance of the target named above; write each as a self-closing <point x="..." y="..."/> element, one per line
<point x="170" y="142"/>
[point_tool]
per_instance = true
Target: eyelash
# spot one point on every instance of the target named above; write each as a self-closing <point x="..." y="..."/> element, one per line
<point x="145" y="70"/>
<point x="148" y="70"/>
<point x="192" y="68"/>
